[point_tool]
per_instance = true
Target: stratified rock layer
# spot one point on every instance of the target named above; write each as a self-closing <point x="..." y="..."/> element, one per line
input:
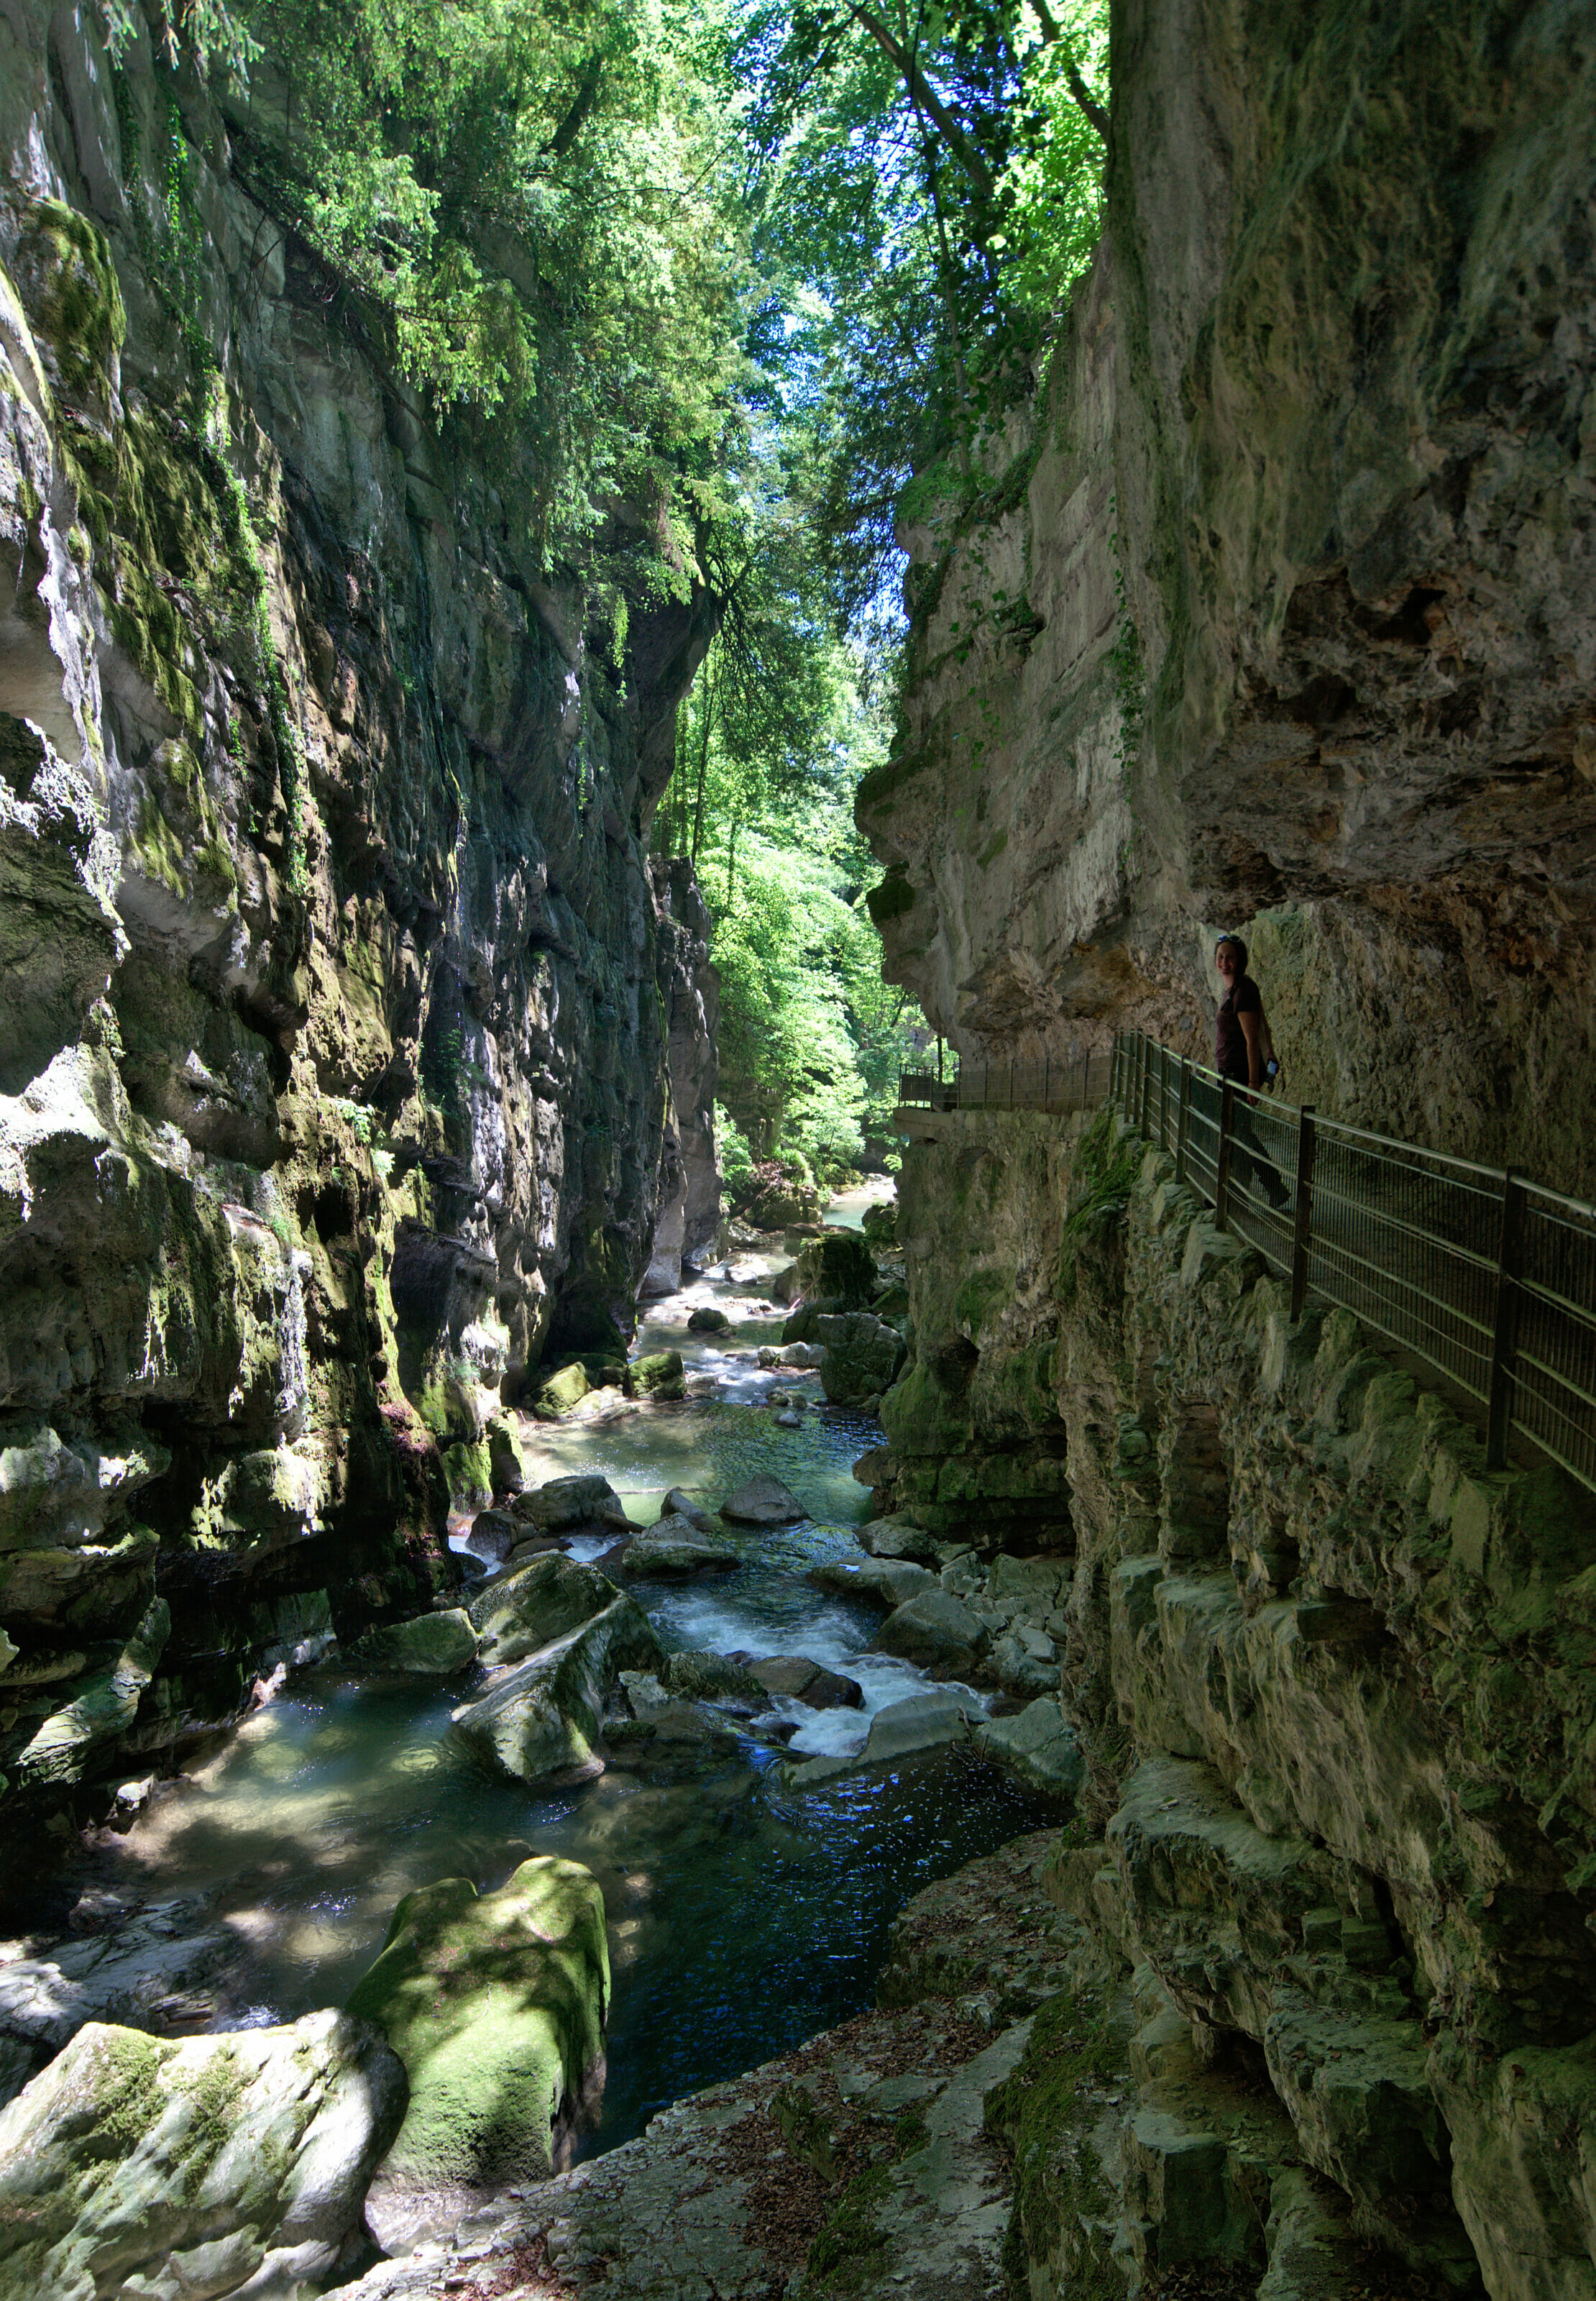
<point x="354" y="1056"/>
<point x="1327" y="1690"/>
<point x="1273" y="609"/>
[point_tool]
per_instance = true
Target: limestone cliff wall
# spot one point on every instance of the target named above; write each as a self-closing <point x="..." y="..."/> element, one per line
<point x="1275" y="607"/>
<point x="351" y="1056"/>
<point x="1335" y="1690"/>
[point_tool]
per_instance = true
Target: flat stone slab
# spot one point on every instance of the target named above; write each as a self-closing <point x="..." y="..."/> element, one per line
<point x="803" y="1680"/>
<point x="764" y="1501"/>
<point x="724" y="2194"/>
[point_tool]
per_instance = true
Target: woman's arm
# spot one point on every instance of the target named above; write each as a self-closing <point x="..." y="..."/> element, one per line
<point x="1250" y="1021"/>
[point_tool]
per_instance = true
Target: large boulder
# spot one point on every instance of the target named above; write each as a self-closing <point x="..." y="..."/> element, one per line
<point x="496" y="2005"/>
<point x="763" y="1501"/>
<point x="536" y="1603"/>
<point x="131" y="2165"/>
<point x="568" y="1505"/>
<point x="837" y="1272"/>
<point x="806" y="1681"/>
<point x="936" y="1631"/>
<point x="540" y="1720"/>
<point x="658" y="1376"/>
<point x="432" y="1645"/>
<point x="863" y="1356"/>
<point x="708" y="1320"/>
<point x="889" y="1581"/>
<point x="561" y="1391"/>
<point x="74" y="1739"/>
<point x="676" y="1547"/>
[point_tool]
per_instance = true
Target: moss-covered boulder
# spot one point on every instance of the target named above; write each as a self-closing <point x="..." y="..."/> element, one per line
<point x="540" y="1720"/>
<point x="65" y="1746"/>
<point x="432" y="1645"/>
<point x="658" y="1375"/>
<point x="546" y="1599"/>
<point x="763" y="1501"/>
<point x="496" y="2005"/>
<point x="836" y="1271"/>
<point x="563" y="1390"/>
<point x="863" y="1356"/>
<point x="135" y="2164"/>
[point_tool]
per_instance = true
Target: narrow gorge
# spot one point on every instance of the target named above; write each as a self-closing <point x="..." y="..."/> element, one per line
<point x="626" y="1671"/>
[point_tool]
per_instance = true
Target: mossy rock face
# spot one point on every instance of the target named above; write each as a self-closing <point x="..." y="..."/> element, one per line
<point x="1065" y="2204"/>
<point x="252" y="2151"/>
<point x="78" y="306"/>
<point x="496" y="2005"/>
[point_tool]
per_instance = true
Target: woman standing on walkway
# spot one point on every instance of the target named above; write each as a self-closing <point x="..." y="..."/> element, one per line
<point x="1243" y="1051"/>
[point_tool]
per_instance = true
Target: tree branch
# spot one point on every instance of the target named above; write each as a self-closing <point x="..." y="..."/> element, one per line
<point x="1053" y="31"/>
<point x="927" y="99"/>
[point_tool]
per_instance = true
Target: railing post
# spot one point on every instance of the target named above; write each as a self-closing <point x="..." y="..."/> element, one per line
<point x="1227" y="1109"/>
<point x="1143" y="1051"/>
<point x="1163" y="1099"/>
<point x="1302" y="1230"/>
<point x="1183" y="1120"/>
<point x="1504" y="1339"/>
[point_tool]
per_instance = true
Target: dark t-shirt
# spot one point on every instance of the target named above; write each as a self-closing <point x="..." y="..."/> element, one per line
<point x="1230" y="1044"/>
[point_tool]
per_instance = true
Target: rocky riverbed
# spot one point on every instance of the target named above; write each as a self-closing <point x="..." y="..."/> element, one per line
<point x="683" y="1665"/>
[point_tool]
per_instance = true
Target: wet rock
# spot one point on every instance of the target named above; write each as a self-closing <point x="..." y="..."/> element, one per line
<point x="889" y="1582"/>
<point x="537" y="1603"/>
<point x="801" y="1354"/>
<point x="540" y="1720"/>
<point x="507" y="1466"/>
<point x="196" y="2168"/>
<point x="496" y="2005"/>
<point x="706" y="1320"/>
<point x="679" y="1503"/>
<point x="676" y="1547"/>
<point x="568" y="1505"/>
<point x="713" y="1677"/>
<point x="897" y="1537"/>
<point x="803" y="1680"/>
<point x="785" y="1286"/>
<point x="1039" y="1744"/>
<point x="67" y="1744"/>
<point x="862" y="1357"/>
<point x="925" y="1721"/>
<point x="495" y="1533"/>
<point x="763" y="1501"/>
<point x="934" y="1630"/>
<point x="788" y="1420"/>
<point x="432" y="1645"/>
<point x="658" y="1376"/>
<point x="661" y="1717"/>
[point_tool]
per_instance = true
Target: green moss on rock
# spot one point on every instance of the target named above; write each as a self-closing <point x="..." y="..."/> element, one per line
<point x="496" y="2005"/>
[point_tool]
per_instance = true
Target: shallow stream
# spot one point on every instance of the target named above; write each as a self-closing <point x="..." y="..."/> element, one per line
<point x="742" y="1917"/>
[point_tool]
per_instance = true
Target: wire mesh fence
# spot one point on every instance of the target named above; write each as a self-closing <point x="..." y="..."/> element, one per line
<point x="1487" y="1277"/>
<point x="1079" y="1082"/>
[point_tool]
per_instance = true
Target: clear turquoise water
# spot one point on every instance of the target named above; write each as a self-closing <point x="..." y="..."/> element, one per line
<point x="742" y="1919"/>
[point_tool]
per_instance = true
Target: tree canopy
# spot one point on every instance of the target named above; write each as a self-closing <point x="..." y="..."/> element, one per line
<point x="752" y="266"/>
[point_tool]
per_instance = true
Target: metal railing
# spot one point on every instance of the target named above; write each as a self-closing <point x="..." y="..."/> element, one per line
<point x="1077" y="1083"/>
<point x="1488" y="1277"/>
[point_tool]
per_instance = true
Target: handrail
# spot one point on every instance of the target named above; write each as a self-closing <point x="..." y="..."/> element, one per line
<point x="1488" y="1277"/>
